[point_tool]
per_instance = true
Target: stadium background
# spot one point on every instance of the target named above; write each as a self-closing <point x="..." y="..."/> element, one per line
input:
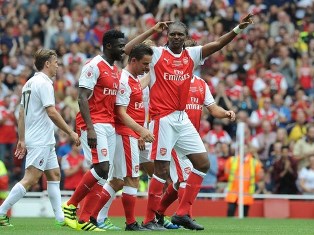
<point x="239" y="75"/>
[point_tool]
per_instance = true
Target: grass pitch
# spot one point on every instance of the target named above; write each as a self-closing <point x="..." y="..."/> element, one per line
<point x="215" y="226"/>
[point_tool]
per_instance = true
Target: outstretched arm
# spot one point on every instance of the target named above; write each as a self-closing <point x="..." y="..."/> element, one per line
<point x="218" y="112"/>
<point x="159" y="27"/>
<point x="212" y="47"/>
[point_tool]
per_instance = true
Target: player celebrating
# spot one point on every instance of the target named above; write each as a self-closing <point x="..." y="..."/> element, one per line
<point x="199" y="96"/>
<point x="37" y="117"/>
<point x="171" y="74"/>
<point x="98" y="86"/>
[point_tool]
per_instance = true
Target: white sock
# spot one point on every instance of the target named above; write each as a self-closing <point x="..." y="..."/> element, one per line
<point x="53" y="188"/>
<point x="16" y="193"/>
<point x="103" y="213"/>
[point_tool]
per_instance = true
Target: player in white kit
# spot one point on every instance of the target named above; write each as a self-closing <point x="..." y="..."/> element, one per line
<point x="171" y="73"/>
<point x="37" y="117"/>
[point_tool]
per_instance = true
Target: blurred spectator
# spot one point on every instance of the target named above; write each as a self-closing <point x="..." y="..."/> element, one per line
<point x="13" y="67"/>
<point x="285" y="173"/>
<point x="8" y="130"/>
<point x="267" y="113"/>
<point x="283" y="112"/>
<point x="221" y="97"/>
<point x="306" y="178"/>
<point x="74" y="167"/>
<point x="245" y="101"/>
<point x="304" y="148"/>
<point x="297" y="129"/>
<point x="275" y="79"/>
<point x="217" y="134"/>
<point x="300" y="103"/>
<point x="283" y="20"/>
<point x="265" y="139"/>
<point x="305" y="73"/>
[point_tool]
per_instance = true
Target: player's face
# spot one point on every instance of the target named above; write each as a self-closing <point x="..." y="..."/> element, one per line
<point x="176" y="37"/>
<point x="142" y="66"/>
<point x="117" y="49"/>
<point x="53" y="66"/>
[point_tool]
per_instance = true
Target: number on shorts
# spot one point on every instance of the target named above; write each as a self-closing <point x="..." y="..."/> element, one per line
<point x="26" y="97"/>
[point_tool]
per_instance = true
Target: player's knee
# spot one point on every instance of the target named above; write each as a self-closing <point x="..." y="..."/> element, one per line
<point x="102" y="169"/>
<point x="162" y="171"/>
<point x="202" y="164"/>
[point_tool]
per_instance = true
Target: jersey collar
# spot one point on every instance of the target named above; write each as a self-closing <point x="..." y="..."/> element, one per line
<point x="44" y="76"/>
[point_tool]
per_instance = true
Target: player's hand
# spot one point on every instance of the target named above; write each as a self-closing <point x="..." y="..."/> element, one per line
<point x="141" y="144"/>
<point x="74" y="136"/>
<point x="20" y="151"/>
<point x="246" y="21"/>
<point x="91" y="138"/>
<point x="230" y="115"/>
<point x="161" y="26"/>
<point x="147" y="136"/>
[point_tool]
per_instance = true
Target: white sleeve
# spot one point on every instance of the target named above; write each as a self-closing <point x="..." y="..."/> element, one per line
<point x="89" y="76"/>
<point x="124" y="93"/>
<point x="196" y="55"/>
<point x="157" y="51"/>
<point x="209" y="99"/>
<point x="259" y="85"/>
<point x="254" y="142"/>
<point x="46" y="94"/>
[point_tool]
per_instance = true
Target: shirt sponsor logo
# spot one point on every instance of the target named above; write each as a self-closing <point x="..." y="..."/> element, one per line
<point x="163" y="151"/>
<point x="104" y="152"/>
<point x="177" y="76"/>
<point x="187" y="170"/>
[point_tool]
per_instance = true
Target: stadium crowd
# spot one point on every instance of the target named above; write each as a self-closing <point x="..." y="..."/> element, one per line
<point x="265" y="76"/>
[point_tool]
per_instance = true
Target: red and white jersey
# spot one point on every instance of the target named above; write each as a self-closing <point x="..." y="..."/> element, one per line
<point x="199" y="96"/>
<point x="213" y="137"/>
<point x="275" y="80"/>
<point x="171" y="76"/>
<point x="234" y="92"/>
<point x="103" y="79"/>
<point x="8" y="126"/>
<point x="130" y="95"/>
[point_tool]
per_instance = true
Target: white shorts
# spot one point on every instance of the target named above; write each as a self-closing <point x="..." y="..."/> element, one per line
<point x="144" y="154"/>
<point x="43" y="158"/>
<point x="106" y="142"/>
<point x="180" y="167"/>
<point x="174" y="131"/>
<point x="126" y="159"/>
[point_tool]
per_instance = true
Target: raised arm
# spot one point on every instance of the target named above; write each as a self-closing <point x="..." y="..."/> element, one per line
<point x="212" y="47"/>
<point x="159" y="27"/>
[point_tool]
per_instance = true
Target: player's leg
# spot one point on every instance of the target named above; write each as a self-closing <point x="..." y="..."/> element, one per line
<point x="114" y="183"/>
<point x="53" y="175"/>
<point x="36" y="160"/>
<point x="190" y="145"/>
<point x="100" y="160"/>
<point x="161" y="154"/>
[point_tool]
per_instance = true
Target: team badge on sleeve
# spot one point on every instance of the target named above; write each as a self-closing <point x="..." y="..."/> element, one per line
<point x="89" y="72"/>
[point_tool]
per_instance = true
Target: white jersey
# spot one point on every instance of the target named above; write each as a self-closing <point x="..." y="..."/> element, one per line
<point x="37" y="94"/>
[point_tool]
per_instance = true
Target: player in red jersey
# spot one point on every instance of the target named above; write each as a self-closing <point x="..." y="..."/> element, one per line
<point x="199" y="96"/>
<point x="130" y="118"/>
<point x="171" y="74"/>
<point x="98" y="86"/>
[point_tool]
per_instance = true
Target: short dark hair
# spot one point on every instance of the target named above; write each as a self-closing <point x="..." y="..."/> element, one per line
<point x="110" y="36"/>
<point x="43" y="55"/>
<point x="139" y="51"/>
<point x="180" y="24"/>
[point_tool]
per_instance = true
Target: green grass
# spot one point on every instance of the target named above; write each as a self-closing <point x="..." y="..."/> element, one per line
<point x="215" y="226"/>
